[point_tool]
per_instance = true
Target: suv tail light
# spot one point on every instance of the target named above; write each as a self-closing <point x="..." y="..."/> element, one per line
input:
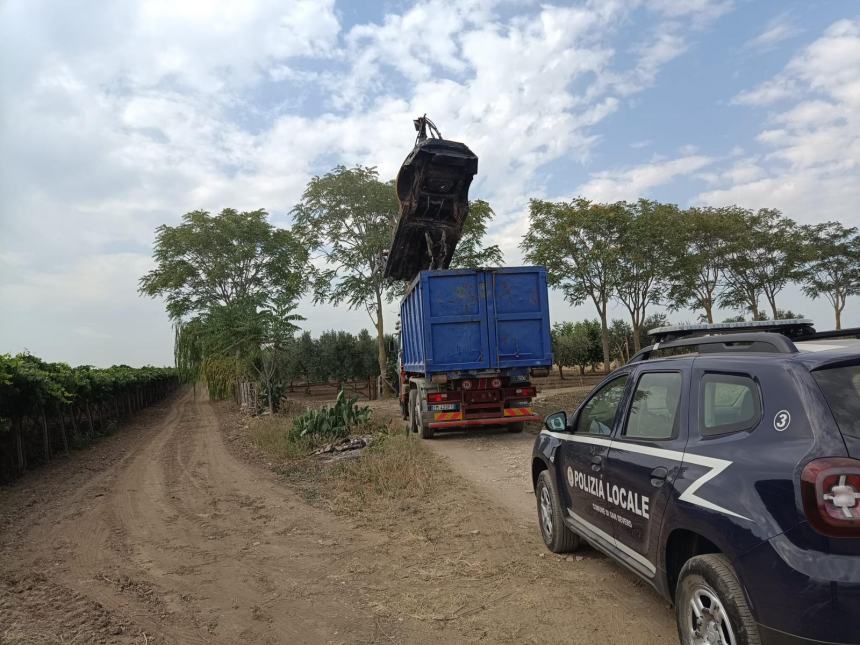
<point x="830" y="489"/>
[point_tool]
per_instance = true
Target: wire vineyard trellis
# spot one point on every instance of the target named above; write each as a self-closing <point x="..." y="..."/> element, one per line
<point x="50" y="408"/>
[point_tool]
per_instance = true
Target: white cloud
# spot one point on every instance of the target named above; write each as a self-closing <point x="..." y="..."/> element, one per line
<point x="810" y="168"/>
<point x="777" y="30"/>
<point x="122" y="121"/>
<point x="635" y="182"/>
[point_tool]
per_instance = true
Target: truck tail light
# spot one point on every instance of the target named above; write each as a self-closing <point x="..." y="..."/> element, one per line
<point x="830" y="489"/>
<point x="437" y="397"/>
<point x="525" y="391"/>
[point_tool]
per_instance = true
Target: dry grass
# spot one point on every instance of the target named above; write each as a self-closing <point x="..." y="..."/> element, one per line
<point x="271" y="434"/>
<point x="394" y="470"/>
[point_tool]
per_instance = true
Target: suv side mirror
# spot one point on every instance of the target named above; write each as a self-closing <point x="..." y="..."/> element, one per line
<point x="556" y="422"/>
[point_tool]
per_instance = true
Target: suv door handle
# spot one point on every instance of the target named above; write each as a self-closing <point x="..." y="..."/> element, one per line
<point x="596" y="462"/>
<point x="658" y="476"/>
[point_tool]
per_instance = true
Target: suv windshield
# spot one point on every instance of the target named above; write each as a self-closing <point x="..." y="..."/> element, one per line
<point x="841" y="387"/>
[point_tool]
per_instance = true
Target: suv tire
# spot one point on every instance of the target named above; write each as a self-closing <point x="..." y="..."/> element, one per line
<point x="557" y="537"/>
<point x="708" y="586"/>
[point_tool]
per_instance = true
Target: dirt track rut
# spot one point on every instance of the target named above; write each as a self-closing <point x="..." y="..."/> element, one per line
<point x="177" y="540"/>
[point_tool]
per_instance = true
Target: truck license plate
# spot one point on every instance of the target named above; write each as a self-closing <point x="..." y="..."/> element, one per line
<point x="441" y="407"/>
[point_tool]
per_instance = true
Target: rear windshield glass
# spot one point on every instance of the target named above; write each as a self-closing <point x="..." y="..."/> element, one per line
<point x="841" y="387"/>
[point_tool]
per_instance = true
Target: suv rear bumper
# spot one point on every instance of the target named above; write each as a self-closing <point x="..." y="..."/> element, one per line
<point x="800" y="591"/>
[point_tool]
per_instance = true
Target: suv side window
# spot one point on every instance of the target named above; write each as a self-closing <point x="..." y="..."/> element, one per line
<point x="729" y="403"/>
<point x="654" y="409"/>
<point x="598" y="414"/>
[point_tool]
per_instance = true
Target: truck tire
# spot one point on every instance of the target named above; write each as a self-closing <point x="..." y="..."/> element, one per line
<point x="423" y="430"/>
<point x="557" y="537"/>
<point x="413" y="424"/>
<point x="516" y="427"/>
<point x="710" y="602"/>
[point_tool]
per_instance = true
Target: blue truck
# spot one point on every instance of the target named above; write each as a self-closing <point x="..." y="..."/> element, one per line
<point x="470" y="340"/>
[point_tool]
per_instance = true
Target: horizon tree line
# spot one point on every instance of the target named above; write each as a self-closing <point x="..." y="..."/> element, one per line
<point x="232" y="281"/>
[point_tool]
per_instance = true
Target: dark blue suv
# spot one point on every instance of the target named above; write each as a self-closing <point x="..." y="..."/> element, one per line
<point x="724" y="469"/>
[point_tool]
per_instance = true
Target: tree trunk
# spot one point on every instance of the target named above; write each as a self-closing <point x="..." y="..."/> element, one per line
<point x="838" y="312"/>
<point x="604" y="337"/>
<point x="560" y="372"/>
<point x="709" y="311"/>
<point x="385" y="389"/>
<point x="637" y="328"/>
<point x="773" y="308"/>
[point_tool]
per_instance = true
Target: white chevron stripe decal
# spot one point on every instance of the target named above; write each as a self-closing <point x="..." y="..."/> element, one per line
<point x="716" y="466"/>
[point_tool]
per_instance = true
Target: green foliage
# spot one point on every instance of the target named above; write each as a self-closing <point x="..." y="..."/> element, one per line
<point x="231" y="282"/>
<point x="345" y="219"/>
<point x="471" y="252"/>
<point x="231" y="257"/>
<point x="833" y="253"/>
<point x="578" y="242"/>
<point x="576" y="344"/>
<point x="696" y="269"/>
<point x="764" y="253"/>
<point x="331" y="422"/>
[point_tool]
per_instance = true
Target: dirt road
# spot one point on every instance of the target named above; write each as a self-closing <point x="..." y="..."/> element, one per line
<point x="160" y="534"/>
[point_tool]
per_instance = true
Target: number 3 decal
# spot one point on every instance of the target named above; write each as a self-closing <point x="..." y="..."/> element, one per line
<point x="782" y="420"/>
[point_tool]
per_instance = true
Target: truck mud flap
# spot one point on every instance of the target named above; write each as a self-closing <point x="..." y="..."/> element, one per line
<point x="433" y="191"/>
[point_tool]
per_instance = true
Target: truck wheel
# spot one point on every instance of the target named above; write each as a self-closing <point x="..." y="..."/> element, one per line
<point x="413" y="425"/>
<point x="423" y="431"/>
<point x="557" y="537"/>
<point x="710" y="604"/>
<point x="516" y="427"/>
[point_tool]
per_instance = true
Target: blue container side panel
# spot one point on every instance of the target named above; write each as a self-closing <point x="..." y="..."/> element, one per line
<point x="455" y="330"/>
<point x="463" y="319"/>
<point x="519" y="317"/>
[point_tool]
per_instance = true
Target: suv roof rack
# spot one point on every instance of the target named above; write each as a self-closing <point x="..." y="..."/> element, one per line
<point x="732" y="343"/>
<point x="851" y="332"/>
<point x="792" y="328"/>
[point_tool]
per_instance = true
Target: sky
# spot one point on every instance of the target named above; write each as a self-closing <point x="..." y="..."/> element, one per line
<point x="118" y="117"/>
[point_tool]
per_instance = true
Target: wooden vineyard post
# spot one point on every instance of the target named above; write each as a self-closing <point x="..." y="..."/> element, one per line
<point x="46" y="437"/>
<point x="63" y="430"/>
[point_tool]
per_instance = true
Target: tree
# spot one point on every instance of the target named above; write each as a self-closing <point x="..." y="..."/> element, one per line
<point x="224" y="259"/>
<point x="647" y="246"/>
<point x="833" y="271"/>
<point x="620" y="338"/>
<point x="576" y="344"/>
<point x="653" y="321"/>
<point x="470" y="252"/>
<point x="696" y="268"/>
<point x="764" y="255"/>
<point x="345" y="218"/>
<point x="231" y="282"/>
<point x="578" y="242"/>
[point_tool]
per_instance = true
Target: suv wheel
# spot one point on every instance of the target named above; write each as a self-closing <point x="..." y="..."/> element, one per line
<point x="557" y="537"/>
<point x="710" y="604"/>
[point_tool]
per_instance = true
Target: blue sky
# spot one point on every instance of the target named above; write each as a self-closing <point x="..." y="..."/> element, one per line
<point x="118" y="117"/>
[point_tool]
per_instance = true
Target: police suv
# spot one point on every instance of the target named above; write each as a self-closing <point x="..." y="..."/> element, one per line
<point x="722" y="465"/>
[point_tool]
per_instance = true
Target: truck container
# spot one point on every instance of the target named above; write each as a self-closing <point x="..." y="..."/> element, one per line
<point x="469" y="341"/>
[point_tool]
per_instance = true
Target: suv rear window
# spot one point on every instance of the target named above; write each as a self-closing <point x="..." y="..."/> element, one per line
<point x="730" y="403"/>
<point x="841" y="387"/>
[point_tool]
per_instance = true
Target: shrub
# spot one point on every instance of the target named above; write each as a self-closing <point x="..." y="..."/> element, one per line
<point x="330" y="423"/>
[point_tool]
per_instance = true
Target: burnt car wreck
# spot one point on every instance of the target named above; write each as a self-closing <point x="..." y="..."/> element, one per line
<point x="433" y="190"/>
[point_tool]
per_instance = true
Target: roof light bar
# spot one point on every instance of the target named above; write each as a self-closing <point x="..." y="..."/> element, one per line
<point x="793" y="328"/>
